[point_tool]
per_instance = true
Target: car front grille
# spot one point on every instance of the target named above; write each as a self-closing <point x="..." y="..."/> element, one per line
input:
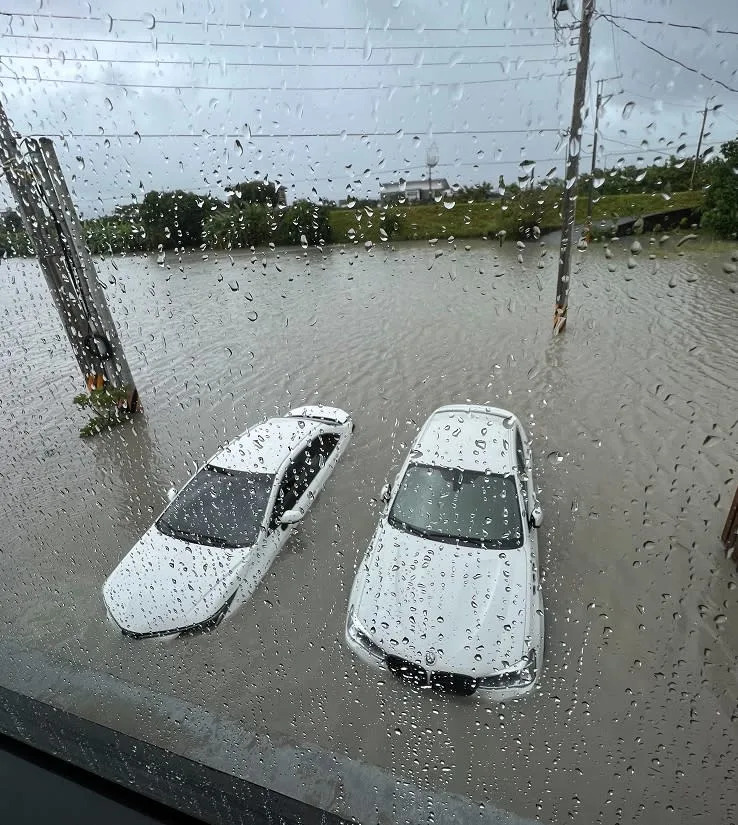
<point x="407" y="671"/>
<point x="418" y="676"/>
<point x="454" y="683"/>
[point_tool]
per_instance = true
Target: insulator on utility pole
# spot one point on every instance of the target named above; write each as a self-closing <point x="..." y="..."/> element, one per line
<point x="51" y="223"/>
<point x="569" y="197"/>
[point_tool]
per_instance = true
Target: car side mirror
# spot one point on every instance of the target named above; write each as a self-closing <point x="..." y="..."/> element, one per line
<point x="536" y="516"/>
<point x="386" y="493"/>
<point x="171" y="494"/>
<point x="291" y="517"/>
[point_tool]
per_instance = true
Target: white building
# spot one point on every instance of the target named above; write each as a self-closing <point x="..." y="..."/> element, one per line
<point x="414" y="191"/>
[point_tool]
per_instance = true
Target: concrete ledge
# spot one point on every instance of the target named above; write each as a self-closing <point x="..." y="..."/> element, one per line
<point x="229" y="774"/>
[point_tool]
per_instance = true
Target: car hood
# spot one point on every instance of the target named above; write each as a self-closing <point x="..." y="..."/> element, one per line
<point x="448" y="608"/>
<point x="165" y="584"/>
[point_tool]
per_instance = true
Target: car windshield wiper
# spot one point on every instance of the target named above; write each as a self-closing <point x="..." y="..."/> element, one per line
<point x="200" y="538"/>
<point x="418" y="531"/>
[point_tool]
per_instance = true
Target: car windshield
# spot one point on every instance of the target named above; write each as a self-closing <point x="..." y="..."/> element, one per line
<point x="220" y="508"/>
<point x="458" y="505"/>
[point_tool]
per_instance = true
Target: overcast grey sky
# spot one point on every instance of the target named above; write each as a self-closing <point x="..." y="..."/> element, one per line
<point x="487" y="81"/>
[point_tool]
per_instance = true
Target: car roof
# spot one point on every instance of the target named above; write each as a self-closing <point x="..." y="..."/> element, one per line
<point x="470" y="437"/>
<point x="264" y="447"/>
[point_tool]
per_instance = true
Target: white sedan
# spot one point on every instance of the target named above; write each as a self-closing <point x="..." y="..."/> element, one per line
<point x="213" y="544"/>
<point x="448" y="594"/>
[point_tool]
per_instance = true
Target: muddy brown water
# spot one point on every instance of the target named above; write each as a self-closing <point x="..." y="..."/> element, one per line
<point x="634" y="419"/>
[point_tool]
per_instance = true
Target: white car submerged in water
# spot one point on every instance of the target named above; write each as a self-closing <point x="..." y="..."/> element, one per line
<point x="448" y="593"/>
<point x="213" y="544"/>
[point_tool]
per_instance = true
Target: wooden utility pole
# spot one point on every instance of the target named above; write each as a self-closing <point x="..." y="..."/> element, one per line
<point x="51" y="223"/>
<point x="699" y="146"/>
<point x="569" y="198"/>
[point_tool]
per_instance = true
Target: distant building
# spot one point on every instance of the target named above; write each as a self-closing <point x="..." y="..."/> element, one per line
<point x="414" y="191"/>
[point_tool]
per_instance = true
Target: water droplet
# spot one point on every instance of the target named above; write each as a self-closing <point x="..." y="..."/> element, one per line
<point x="628" y="109"/>
<point x="555" y="457"/>
<point x="253" y="315"/>
<point x="149" y="20"/>
<point x="233" y="285"/>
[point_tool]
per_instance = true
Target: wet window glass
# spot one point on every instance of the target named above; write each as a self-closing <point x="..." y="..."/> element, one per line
<point x="471" y="507"/>
<point x="231" y="234"/>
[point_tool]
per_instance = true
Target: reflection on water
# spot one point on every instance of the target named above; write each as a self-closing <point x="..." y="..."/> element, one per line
<point x="633" y="416"/>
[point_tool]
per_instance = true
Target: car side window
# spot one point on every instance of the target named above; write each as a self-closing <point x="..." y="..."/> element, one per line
<point x="316" y="455"/>
<point x="522" y="472"/>
<point x="327" y="443"/>
<point x="290" y="489"/>
<point x="302" y="470"/>
<point x="285" y="499"/>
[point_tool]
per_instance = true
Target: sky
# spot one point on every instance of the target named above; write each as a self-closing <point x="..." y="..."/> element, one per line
<point x="332" y="97"/>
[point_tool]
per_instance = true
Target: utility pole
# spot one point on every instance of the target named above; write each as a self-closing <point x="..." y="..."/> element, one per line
<point x="569" y="199"/>
<point x="699" y="145"/>
<point x="52" y="225"/>
<point x="590" y="196"/>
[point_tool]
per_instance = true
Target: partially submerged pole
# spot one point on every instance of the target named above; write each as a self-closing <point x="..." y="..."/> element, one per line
<point x="53" y="227"/>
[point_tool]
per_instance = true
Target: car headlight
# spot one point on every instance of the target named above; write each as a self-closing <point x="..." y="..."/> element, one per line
<point x="521" y="676"/>
<point x="358" y="634"/>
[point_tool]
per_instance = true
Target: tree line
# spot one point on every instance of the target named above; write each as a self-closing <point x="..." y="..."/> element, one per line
<point x="256" y="213"/>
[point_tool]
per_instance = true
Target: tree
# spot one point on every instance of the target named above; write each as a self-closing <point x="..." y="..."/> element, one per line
<point x="721" y="201"/>
<point x="256" y="191"/>
<point x="477" y="192"/>
<point x="304" y="221"/>
<point x="173" y="219"/>
<point x="239" y="228"/>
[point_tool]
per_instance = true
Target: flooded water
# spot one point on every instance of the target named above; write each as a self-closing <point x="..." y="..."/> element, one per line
<point x="634" y="418"/>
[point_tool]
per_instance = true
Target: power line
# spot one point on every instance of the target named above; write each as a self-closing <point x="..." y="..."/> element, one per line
<point x="251" y="64"/>
<point x="246" y="136"/>
<point x="150" y="21"/>
<point x="665" y="23"/>
<point x="658" y="100"/>
<point x="668" y="57"/>
<point x="614" y="47"/>
<point x="275" y="87"/>
<point x="291" y="46"/>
